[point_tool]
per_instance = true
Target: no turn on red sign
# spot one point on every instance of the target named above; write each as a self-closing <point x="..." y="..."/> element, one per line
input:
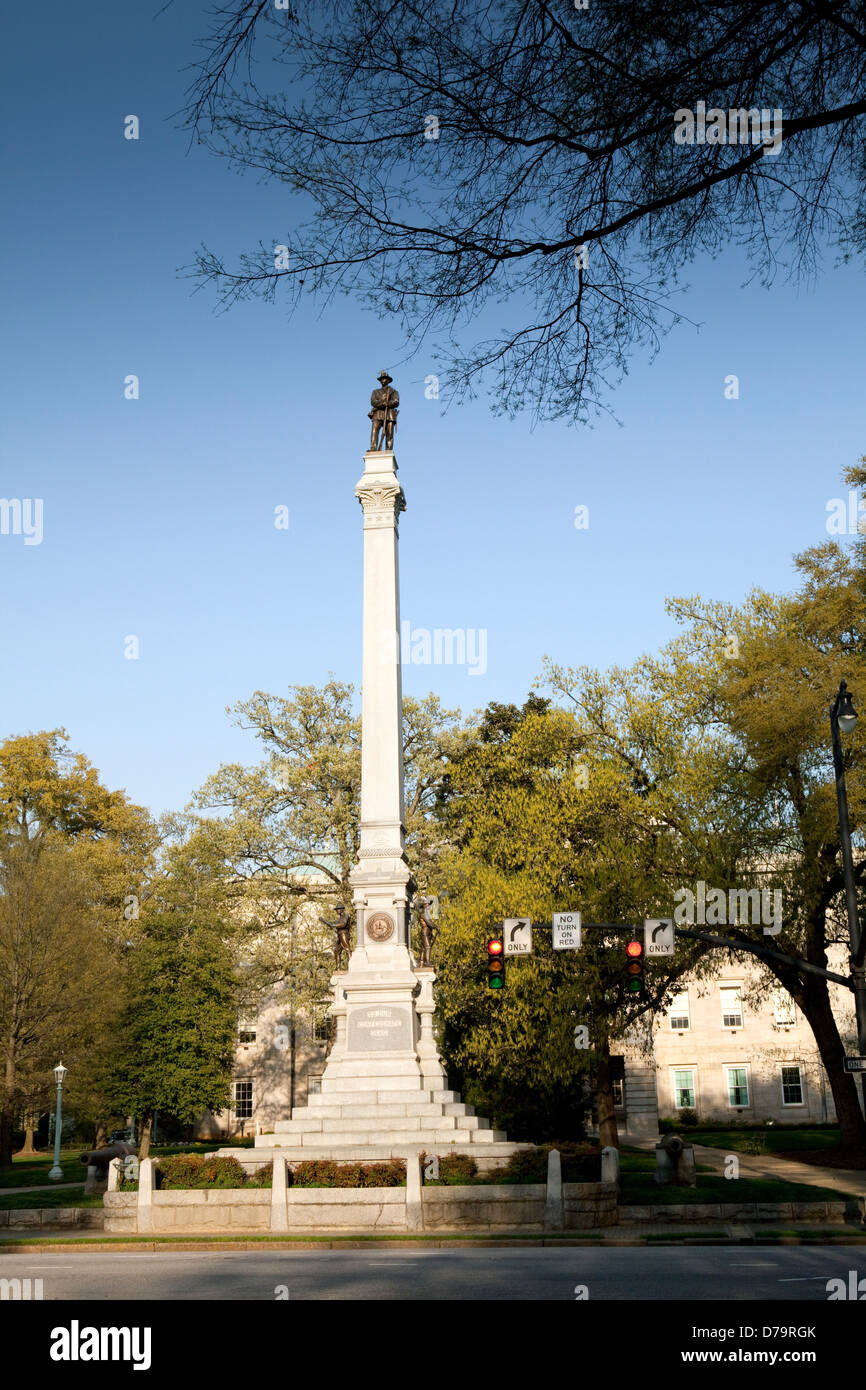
<point x="566" y="931"/>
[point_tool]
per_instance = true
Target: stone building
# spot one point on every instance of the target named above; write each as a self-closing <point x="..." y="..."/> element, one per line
<point x="281" y="1048"/>
<point x="732" y="1049"/>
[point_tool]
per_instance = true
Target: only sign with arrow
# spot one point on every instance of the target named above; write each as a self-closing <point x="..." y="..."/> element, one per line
<point x="658" y="938"/>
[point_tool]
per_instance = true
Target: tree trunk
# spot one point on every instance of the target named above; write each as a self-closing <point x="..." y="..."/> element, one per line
<point x="146" y="1132"/>
<point x="7" y="1110"/>
<point x="6" y="1127"/>
<point x="608" y="1135"/>
<point x="814" y="1000"/>
<point x="101" y="1135"/>
<point x="28" y="1150"/>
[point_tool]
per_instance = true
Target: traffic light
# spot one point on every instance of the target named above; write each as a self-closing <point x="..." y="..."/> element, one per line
<point x="495" y="963"/>
<point x="634" y="967"/>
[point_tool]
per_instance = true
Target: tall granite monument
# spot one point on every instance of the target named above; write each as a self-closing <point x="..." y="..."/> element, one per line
<point x="384" y="1091"/>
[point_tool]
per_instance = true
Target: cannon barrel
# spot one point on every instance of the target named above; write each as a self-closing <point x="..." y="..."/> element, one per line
<point x="673" y="1144"/>
<point x="100" y="1158"/>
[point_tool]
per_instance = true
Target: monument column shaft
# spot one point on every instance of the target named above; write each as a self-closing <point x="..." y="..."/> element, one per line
<point x="382" y="808"/>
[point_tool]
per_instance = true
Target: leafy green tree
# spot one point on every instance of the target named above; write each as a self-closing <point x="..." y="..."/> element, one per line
<point x="178" y="1024"/>
<point x="542" y="823"/>
<point x="288" y="827"/>
<point x="58" y="979"/>
<point x="72" y="853"/>
<point x="728" y="733"/>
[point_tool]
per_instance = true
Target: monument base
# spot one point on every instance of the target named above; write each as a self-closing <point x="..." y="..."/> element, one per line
<point x="384" y="1090"/>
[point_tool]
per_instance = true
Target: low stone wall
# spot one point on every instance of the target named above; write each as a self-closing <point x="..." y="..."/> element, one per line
<point x="517" y="1208"/>
<point x="121" y="1212"/>
<point x="589" y="1204"/>
<point x="829" y="1212"/>
<point x="482" y="1208"/>
<point x="23" y="1218"/>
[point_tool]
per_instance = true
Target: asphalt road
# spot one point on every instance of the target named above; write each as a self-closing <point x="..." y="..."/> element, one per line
<point x="733" y="1273"/>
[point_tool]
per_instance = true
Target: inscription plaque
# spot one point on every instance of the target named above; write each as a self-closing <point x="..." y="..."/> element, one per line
<point x="379" y="1028"/>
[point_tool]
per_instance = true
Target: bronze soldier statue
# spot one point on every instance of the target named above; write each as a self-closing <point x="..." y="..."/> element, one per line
<point x="385" y="402"/>
<point x="343" y="942"/>
<point x="429" y="931"/>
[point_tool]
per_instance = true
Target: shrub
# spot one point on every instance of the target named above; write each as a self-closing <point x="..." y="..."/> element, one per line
<point x="457" y="1168"/>
<point x="580" y="1163"/>
<point x="688" y="1119"/>
<point x="181" y="1170"/>
<point x="262" y="1177"/>
<point x="327" y="1172"/>
<point x="185" y="1171"/>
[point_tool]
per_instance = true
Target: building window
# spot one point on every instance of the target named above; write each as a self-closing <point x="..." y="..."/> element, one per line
<point x="321" y="1028"/>
<point x="617" y="1094"/>
<point x="792" y="1085"/>
<point x="738" y="1087"/>
<point x="783" y="1008"/>
<point x="243" y="1106"/>
<point x="246" y="1032"/>
<point x="684" y="1088"/>
<point x="314" y="1085"/>
<point x="678" y="1013"/>
<point x="732" y="1007"/>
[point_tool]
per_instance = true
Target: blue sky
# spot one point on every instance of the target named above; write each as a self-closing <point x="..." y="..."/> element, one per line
<point x="158" y="513"/>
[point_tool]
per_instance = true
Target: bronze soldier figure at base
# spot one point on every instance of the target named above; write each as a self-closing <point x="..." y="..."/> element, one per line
<point x="429" y="931"/>
<point x="343" y="943"/>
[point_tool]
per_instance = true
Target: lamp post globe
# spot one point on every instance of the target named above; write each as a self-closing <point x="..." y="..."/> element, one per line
<point x="847" y="715"/>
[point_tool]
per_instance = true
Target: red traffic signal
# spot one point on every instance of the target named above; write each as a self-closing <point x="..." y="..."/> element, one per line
<point x="495" y="963"/>
<point x="634" y="967"/>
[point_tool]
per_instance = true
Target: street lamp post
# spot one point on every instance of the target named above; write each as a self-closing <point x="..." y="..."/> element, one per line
<point x="56" y="1173"/>
<point x="843" y="717"/>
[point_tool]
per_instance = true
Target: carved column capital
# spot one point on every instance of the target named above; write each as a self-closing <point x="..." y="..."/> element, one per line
<point x="382" y="500"/>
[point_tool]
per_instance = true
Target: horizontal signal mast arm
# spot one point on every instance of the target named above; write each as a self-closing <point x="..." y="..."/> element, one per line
<point x="756" y="948"/>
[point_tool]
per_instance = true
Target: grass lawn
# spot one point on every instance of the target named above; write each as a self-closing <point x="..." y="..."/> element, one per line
<point x="764" y="1140"/>
<point x="817" y="1232"/>
<point x="640" y="1190"/>
<point x="819" y="1147"/>
<point x="31" y="1172"/>
<point x="60" y="1197"/>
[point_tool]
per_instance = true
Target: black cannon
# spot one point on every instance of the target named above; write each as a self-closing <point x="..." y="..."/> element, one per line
<point x="675" y="1162"/>
<point x="97" y="1161"/>
<point x="100" y="1158"/>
